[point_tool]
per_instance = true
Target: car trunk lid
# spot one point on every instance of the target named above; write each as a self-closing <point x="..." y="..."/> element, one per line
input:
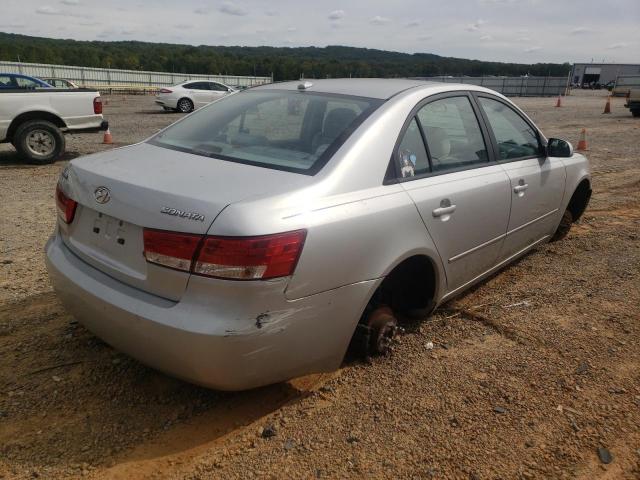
<point x="123" y="191"/>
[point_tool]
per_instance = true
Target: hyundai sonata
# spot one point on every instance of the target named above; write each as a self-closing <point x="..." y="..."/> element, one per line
<point x="256" y="239"/>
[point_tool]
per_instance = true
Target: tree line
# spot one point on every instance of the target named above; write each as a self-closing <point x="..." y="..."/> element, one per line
<point x="282" y="62"/>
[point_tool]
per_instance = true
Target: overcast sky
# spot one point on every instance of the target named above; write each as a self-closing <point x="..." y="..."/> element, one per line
<point x="526" y="31"/>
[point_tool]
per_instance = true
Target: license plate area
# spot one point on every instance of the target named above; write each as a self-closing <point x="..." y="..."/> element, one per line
<point x="109" y="230"/>
<point x="111" y="244"/>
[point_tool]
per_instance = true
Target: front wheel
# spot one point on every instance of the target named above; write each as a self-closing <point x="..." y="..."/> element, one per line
<point x="564" y="227"/>
<point x="39" y="142"/>
<point x="185" y="105"/>
<point x="635" y="113"/>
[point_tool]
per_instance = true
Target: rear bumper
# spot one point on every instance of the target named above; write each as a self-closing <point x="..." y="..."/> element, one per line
<point x="104" y="125"/>
<point x="167" y="102"/>
<point x="223" y="335"/>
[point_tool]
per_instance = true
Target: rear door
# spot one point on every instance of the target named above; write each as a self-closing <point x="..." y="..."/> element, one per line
<point x="200" y="93"/>
<point x="536" y="182"/>
<point x="462" y="196"/>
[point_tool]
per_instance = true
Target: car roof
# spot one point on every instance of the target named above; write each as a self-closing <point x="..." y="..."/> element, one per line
<point x="382" y="88"/>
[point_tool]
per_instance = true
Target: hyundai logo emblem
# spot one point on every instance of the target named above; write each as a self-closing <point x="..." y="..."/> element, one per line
<point x="102" y="194"/>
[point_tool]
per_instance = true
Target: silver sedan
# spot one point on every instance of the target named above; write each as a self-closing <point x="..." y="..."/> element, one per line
<point x="256" y="239"/>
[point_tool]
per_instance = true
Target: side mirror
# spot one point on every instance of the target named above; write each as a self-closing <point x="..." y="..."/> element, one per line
<point x="558" y="147"/>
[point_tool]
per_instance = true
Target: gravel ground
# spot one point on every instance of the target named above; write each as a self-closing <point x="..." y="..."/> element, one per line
<point x="534" y="373"/>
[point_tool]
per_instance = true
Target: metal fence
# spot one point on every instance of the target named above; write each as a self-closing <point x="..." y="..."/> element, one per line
<point x="514" y="86"/>
<point x="111" y="78"/>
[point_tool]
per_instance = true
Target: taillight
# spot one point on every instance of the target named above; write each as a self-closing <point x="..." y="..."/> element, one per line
<point x="97" y="105"/>
<point x="235" y="258"/>
<point x="250" y="258"/>
<point x="173" y="250"/>
<point x="165" y="90"/>
<point x="66" y="206"/>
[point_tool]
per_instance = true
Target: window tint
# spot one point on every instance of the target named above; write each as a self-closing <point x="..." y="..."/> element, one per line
<point x="515" y="137"/>
<point x="275" y="129"/>
<point x="453" y="134"/>
<point x="217" y="87"/>
<point x="337" y="116"/>
<point x="197" y="86"/>
<point x="412" y="156"/>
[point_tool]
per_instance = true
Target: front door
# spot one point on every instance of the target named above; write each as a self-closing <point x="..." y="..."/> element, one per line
<point x="462" y="197"/>
<point x="537" y="182"/>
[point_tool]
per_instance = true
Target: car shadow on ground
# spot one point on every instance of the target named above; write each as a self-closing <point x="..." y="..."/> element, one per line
<point x="11" y="158"/>
<point x="59" y="383"/>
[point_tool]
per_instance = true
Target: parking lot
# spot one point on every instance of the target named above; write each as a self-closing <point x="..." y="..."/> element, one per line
<point x="531" y="373"/>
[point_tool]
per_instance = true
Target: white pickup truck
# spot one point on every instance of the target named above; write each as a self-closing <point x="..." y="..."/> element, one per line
<point x="35" y="121"/>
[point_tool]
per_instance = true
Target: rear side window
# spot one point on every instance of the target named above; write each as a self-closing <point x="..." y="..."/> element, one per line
<point x="6" y="81"/>
<point x="515" y="137"/>
<point x="412" y="154"/>
<point x="26" y="83"/>
<point x="284" y="130"/>
<point x="197" y="86"/>
<point x="454" y="138"/>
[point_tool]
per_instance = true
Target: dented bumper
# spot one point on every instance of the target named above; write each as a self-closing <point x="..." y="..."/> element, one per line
<point x="221" y="334"/>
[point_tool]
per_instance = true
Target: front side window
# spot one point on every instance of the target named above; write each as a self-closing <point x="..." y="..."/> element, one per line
<point x="217" y="87"/>
<point x="515" y="137"/>
<point x="453" y="134"/>
<point x="285" y="130"/>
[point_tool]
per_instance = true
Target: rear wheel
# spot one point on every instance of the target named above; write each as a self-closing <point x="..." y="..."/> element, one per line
<point x="185" y="105"/>
<point x="39" y="142"/>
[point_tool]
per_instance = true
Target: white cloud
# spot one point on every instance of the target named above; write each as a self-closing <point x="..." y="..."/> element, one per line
<point x="202" y="10"/>
<point x="485" y="38"/>
<point x="579" y="31"/>
<point x="425" y="37"/>
<point x="292" y="29"/>
<point x="532" y="49"/>
<point x="231" y="9"/>
<point x="616" y="46"/>
<point x="475" y="26"/>
<point x="47" y="10"/>
<point x="413" y="23"/>
<point x="378" y="20"/>
<point x="70" y="2"/>
<point x="336" y="15"/>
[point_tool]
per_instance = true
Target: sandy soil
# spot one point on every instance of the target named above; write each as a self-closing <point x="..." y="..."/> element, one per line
<point x="532" y="372"/>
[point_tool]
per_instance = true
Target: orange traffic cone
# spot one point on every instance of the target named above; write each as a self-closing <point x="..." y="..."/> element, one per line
<point x="558" y="103"/>
<point x="582" y="143"/>
<point x="108" y="139"/>
<point x="607" y="107"/>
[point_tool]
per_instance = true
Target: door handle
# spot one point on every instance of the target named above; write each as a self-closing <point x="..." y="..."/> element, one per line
<point x="438" y="212"/>
<point x="520" y="188"/>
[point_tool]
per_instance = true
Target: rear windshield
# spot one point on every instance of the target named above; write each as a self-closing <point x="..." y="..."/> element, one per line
<point x="284" y="130"/>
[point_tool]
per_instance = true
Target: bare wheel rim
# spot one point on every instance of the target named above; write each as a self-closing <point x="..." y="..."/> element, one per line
<point x="41" y="142"/>
<point x="184" y="105"/>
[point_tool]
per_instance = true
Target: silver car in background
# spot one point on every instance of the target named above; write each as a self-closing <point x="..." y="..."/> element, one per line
<point x="256" y="239"/>
<point x="187" y="96"/>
